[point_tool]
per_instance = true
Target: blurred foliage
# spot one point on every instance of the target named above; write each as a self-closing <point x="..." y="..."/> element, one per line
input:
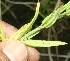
<point x="47" y="6"/>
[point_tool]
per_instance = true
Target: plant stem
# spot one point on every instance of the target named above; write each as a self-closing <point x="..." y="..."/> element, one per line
<point x="32" y="33"/>
<point x="49" y="49"/>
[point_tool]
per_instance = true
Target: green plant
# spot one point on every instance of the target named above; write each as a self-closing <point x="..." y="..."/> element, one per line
<point x="24" y="34"/>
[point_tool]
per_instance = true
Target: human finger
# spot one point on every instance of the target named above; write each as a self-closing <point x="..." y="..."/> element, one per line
<point x="3" y="57"/>
<point x="8" y="29"/>
<point x="33" y="54"/>
<point x="15" y="50"/>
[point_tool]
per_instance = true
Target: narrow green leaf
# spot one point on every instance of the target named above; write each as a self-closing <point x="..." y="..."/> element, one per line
<point x="43" y="43"/>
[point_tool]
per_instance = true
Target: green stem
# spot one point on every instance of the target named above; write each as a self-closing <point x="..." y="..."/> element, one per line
<point x="47" y="22"/>
<point x="32" y="33"/>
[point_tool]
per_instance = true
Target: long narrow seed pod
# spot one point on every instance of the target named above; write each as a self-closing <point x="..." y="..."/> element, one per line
<point x="23" y="30"/>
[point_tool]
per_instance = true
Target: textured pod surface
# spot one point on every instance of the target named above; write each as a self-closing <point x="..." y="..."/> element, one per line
<point x="43" y="43"/>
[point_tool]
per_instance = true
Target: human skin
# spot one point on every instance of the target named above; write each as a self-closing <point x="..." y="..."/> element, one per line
<point x="14" y="50"/>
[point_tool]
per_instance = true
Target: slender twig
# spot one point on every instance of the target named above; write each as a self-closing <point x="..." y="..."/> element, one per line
<point x="0" y="11"/>
<point x="49" y="35"/>
<point x="54" y="31"/>
<point x="34" y="10"/>
<point x="49" y="49"/>
<point x="7" y="8"/>
<point x="58" y="4"/>
<point x="21" y="2"/>
<point x="54" y="55"/>
<point x="55" y="38"/>
<point x="14" y="16"/>
<point x="28" y="5"/>
<point x="68" y="56"/>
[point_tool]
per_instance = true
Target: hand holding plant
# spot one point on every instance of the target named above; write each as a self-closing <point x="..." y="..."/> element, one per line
<point x="24" y="34"/>
<point x="13" y="37"/>
<point x="9" y="48"/>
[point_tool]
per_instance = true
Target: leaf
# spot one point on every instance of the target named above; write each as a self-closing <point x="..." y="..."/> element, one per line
<point x="43" y="43"/>
<point x="2" y="35"/>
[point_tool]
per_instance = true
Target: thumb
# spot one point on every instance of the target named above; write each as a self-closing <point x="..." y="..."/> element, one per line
<point x="15" y="50"/>
<point x="8" y="29"/>
<point x="3" y="57"/>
